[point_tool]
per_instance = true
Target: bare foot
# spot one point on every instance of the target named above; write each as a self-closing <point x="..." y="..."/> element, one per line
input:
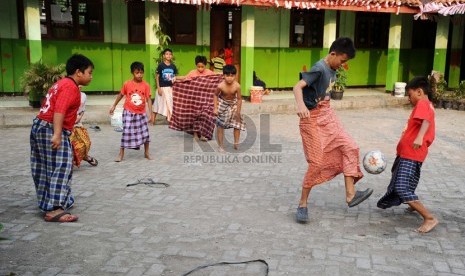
<point x="236" y="146"/>
<point x="203" y="139"/>
<point x="148" y="156"/>
<point x="221" y="150"/>
<point x="427" y="225"/>
<point x="119" y="159"/>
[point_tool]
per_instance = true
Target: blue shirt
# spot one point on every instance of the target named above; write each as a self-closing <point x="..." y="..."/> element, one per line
<point x="166" y="73"/>
<point x="320" y="80"/>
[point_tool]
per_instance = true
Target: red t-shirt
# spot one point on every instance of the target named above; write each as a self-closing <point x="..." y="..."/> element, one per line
<point x="136" y="94"/>
<point x="228" y="53"/>
<point x="423" y="110"/>
<point x="63" y="97"/>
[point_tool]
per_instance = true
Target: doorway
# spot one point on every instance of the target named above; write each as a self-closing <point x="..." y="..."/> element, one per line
<point x="225" y="29"/>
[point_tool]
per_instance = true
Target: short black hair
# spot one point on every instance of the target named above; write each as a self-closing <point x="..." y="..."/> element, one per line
<point x="167" y="50"/>
<point x="137" y="65"/>
<point x="343" y="45"/>
<point x="421" y="82"/>
<point x="229" y="69"/>
<point x="220" y="51"/>
<point x="200" y="59"/>
<point x="77" y="62"/>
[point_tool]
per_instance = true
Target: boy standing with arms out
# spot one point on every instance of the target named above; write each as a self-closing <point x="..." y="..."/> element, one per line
<point x="51" y="150"/>
<point x="227" y="106"/>
<point x="412" y="150"/>
<point x="165" y="77"/>
<point x="329" y="150"/>
<point x="135" y="126"/>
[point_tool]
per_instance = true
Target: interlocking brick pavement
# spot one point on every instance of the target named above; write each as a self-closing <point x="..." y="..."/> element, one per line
<point x="235" y="206"/>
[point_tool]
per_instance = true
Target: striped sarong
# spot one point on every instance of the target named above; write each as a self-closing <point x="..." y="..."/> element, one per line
<point x="81" y="144"/>
<point x="135" y="130"/>
<point x="193" y="105"/>
<point x="404" y="181"/>
<point x="329" y="150"/>
<point x="51" y="169"/>
<point x="227" y="115"/>
<point x="164" y="104"/>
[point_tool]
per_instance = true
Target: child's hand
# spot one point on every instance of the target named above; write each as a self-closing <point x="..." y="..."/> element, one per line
<point x="160" y="93"/>
<point x="238" y="116"/>
<point x="151" y="118"/>
<point x="56" y="141"/>
<point x="418" y="142"/>
<point x="302" y="111"/>
<point x="215" y="112"/>
<point x="112" y="110"/>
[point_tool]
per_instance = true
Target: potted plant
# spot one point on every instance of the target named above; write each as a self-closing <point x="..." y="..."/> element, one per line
<point x="460" y="95"/>
<point x="439" y="87"/>
<point x="340" y="83"/>
<point x="37" y="80"/>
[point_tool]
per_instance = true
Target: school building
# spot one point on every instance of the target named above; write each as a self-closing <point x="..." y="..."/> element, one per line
<point x="276" y="38"/>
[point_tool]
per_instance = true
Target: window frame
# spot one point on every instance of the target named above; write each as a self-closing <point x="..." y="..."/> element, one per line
<point x="308" y="17"/>
<point x="76" y="27"/>
<point x="373" y="30"/>
<point x="175" y="13"/>
<point x="132" y="8"/>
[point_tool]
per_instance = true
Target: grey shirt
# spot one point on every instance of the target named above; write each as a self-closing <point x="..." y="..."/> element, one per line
<point x="319" y="80"/>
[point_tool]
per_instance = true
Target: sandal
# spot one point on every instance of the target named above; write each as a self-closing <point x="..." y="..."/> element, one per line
<point x="92" y="161"/>
<point x="61" y="217"/>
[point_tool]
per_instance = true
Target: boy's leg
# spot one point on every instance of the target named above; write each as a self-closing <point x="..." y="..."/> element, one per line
<point x="429" y="221"/>
<point x="146" y="151"/>
<point x="237" y="134"/>
<point x="354" y="198"/>
<point x="154" y="117"/>
<point x="302" y="211"/>
<point x="220" y="137"/>
<point x="304" y="197"/>
<point x="120" y="156"/>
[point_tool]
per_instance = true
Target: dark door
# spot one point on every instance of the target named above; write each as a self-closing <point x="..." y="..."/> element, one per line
<point x="225" y="29"/>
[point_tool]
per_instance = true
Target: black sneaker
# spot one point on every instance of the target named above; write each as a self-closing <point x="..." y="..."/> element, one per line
<point x="302" y="214"/>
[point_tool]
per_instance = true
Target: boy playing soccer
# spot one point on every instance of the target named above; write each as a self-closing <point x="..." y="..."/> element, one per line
<point x="412" y="150"/>
<point x="51" y="150"/>
<point x="135" y="126"/>
<point x="329" y="150"/>
<point x="227" y="106"/>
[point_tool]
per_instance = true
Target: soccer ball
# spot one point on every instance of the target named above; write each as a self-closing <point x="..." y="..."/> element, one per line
<point x="374" y="162"/>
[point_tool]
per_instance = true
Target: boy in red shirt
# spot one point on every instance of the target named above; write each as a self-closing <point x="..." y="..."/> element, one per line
<point x="135" y="125"/>
<point x="412" y="150"/>
<point x="51" y="150"/>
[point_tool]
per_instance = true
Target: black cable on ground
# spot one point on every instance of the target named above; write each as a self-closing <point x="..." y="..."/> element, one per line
<point x="148" y="182"/>
<point x="229" y="263"/>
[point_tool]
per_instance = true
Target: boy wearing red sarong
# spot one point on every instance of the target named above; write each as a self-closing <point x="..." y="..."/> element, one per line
<point x="329" y="150"/>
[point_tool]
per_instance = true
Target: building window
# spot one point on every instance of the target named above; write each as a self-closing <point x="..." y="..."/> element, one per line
<point x="424" y="34"/>
<point x="136" y="21"/>
<point x="21" y="24"/>
<point x="71" y="19"/>
<point x="306" y="28"/>
<point x="179" y="22"/>
<point x="371" y="30"/>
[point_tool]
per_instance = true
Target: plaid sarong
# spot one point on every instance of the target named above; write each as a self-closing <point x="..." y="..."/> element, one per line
<point x="404" y="181"/>
<point x="51" y="169"/>
<point x="329" y="150"/>
<point x="81" y="144"/>
<point x="193" y="105"/>
<point x="135" y="130"/>
<point x="227" y="115"/>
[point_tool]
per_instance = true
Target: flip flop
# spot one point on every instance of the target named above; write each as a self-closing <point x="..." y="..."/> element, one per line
<point x="360" y="197"/>
<point x="61" y="217"/>
<point x="92" y="161"/>
<point x="96" y="128"/>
